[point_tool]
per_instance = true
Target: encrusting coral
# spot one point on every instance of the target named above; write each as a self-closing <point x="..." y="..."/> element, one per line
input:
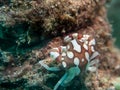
<point x="82" y="37"/>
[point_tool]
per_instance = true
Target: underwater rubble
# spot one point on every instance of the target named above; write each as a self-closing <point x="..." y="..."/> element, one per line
<point x="29" y="29"/>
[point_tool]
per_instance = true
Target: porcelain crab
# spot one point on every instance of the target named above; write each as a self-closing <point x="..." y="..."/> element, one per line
<point x="79" y="54"/>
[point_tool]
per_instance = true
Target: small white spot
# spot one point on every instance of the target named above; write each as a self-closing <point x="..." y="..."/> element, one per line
<point x="81" y="40"/>
<point x="86" y="42"/>
<point x="76" y="46"/>
<point x="54" y="55"/>
<point x="70" y="54"/>
<point x="82" y="59"/>
<point x="85" y="46"/>
<point x="87" y="56"/>
<point x="56" y="49"/>
<point x="63" y="54"/>
<point x="86" y="36"/>
<point x="74" y="35"/>
<point x="68" y="46"/>
<point x="62" y="58"/>
<point x="64" y="64"/>
<point x="84" y="39"/>
<point x="76" y="61"/>
<point x="67" y="39"/>
<point x="95" y="54"/>
<point x="92" y="49"/>
<point x="63" y="48"/>
<point x="92" y="42"/>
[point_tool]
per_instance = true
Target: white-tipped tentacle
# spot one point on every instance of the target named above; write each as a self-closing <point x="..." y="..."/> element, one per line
<point x="93" y="62"/>
<point x="47" y="67"/>
<point x="95" y="54"/>
<point x="92" y="66"/>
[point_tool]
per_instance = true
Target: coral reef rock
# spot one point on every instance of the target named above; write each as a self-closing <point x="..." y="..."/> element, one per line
<point x="30" y="29"/>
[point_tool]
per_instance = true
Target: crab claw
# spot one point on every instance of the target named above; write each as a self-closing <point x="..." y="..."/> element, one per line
<point x="67" y="77"/>
<point x="72" y="72"/>
<point x="42" y="63"/>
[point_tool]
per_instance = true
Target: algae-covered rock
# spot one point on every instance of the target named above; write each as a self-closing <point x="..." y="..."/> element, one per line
<point x="37" y="26"/>
<point x="33" y="20"/>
